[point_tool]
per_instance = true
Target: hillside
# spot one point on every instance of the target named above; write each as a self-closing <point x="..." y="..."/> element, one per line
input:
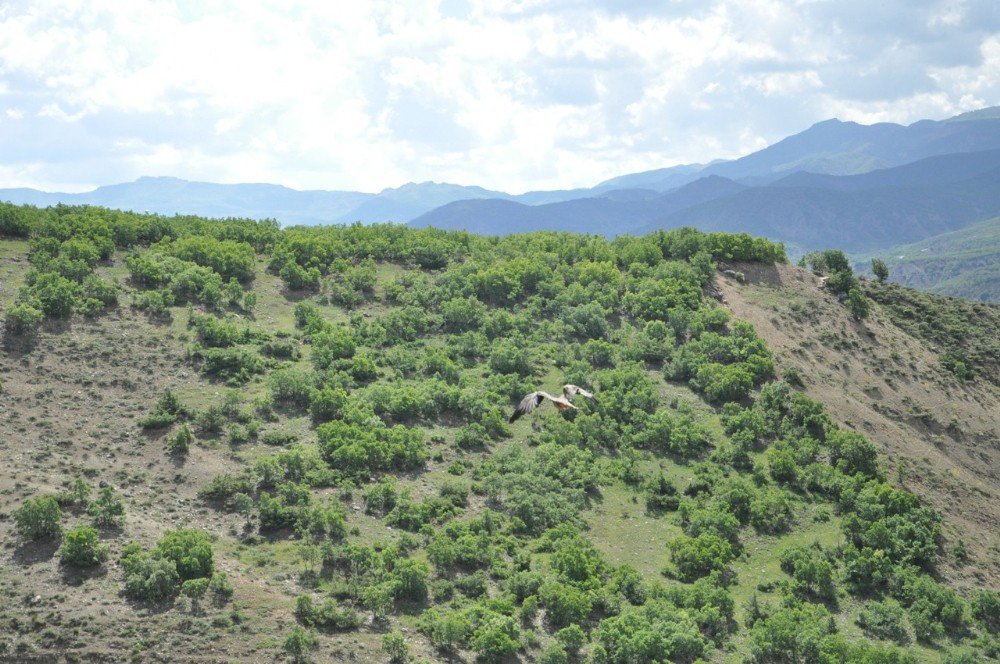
<point x="227" y="441"/>
<point x="962" y="263"/>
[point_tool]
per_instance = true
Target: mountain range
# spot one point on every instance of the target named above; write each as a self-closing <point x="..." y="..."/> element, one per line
<point x="837" y="184"/>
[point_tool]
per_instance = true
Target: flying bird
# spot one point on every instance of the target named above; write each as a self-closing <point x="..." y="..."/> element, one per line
<point x="533" y="400"/>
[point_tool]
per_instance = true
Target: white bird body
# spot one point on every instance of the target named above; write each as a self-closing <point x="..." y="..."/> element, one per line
<point x="533" y="400"/>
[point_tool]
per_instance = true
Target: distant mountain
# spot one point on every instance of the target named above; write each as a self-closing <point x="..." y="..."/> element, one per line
<point x="169" y="196"/>
<point x="811" y="217"/>
<point x="411" y="200"/>
<point x="661" y="179"/>
<point x="807" y="211"/>
<point x="616" y="211"/>
<point x="821" y="158"/>
<point x="848" y="148"/>
<point x="964" y="263"/>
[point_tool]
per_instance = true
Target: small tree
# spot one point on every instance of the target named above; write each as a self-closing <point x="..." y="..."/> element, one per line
<point x="394" y="645"/>
<point x="38" y="518"/>
<point x="299" y="643"/>
<point x="22" y="319"/>
<point x="180" y="443"/>
<point x="858" y="304"/>
<point x="81" y="548"/>
<point x="880" y="269"/>
<point x="79" y="492"/>
<point x="108" y="510"/>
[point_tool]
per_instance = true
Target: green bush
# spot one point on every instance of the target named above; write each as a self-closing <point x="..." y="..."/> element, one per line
<point x="884" y="620"/>
<point x="147" y="577"/>
<point x="496" y="637"/>
<point x="108" y="510"/>
<point x="81" y="548"/>
<point x="55" y="295"/>
<point x="180" y="443"/>
<point x="811" y="571"/>
<point x="22" y="319"/>
<point x="771" y="511"/>
<point x="655" y="632"/>
<point x="39" y="518"/>
<point x="299" y="643"/>
<point x="189" y="550"/>
<point x="858" y="304"/>
<point x="699" y="556"/>
<point x="395" y="647"/>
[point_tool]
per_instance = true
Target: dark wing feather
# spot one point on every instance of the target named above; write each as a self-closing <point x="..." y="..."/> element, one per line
<point x="528" y="404"/>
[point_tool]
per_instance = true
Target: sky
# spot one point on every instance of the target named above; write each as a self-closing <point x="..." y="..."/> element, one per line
<point x="510" y="95"/>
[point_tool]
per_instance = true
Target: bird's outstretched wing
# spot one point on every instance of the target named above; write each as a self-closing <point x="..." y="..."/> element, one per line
<point x="572" y="390"/>
<point x="528" y="404"/>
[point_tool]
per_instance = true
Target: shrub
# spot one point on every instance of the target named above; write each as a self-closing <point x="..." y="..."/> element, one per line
<point x="81" y="548"/>
<point x="299" y="643"/>
<point x="771" y="511"/>
<point x="496" y="637"/>
<point x="661" y="494"/>
<point x="180" y="443"/>
<point x="655" y="632"/>
<point x="195" y="588"/>
<point x="290" y="386"/>
<point x="328" y="615"/>
<point x="56" y="295"/>
<point x="147" y="577"/>
<point x="792" y="634"/>
<point x="858" y="304"/>
<point x="38" y="518"/>
<point x="880" y="269"/>
<point x="394" y="645"/>
<point x="986" y="609"/>
<point x="220" y="586"/>
<point x="22" y="318"/>
<point x="189" y="550"/>
<point x="696" y="557"/>
<point x="884" y="620"/>
<point x="234" y="365"/>
<point x="812" y="573"/>
<point x="108" y="509"/>
<point x="564" y="604"/>
<point x="327" y="404"/>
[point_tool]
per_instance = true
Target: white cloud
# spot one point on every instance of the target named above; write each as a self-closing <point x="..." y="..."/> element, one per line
<point x="512" y="95"/>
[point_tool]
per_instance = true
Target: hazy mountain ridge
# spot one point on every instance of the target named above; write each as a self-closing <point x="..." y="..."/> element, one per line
<point x="831" y="147"/>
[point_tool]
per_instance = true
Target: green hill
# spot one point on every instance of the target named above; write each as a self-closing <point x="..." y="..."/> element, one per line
<point x="228" y="441"/>
<point x="962" y="263"/>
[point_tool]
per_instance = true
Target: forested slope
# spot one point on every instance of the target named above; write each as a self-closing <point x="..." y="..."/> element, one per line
<point x="228" y="441"/>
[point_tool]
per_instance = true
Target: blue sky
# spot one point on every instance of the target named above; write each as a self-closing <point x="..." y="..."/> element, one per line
<point x="508" y="95"/>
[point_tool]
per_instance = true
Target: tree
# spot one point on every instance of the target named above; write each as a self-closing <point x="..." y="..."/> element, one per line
<point x="38" y="518"/>
<point x="394" y="645"/>
<point x="880" y="269"/>
<point x="189" y="550"/>
<point x="108" y="510"/>
<point x="858" y="304"/>
<point x="496" y="637"/>
<point x="81" y="548"/>
<point x="180" y="443"/>
<point x="299" y="643"/>
<point x="22" y="319"/>
<point x="697" y="556"/>
<point x="56" y="295"/>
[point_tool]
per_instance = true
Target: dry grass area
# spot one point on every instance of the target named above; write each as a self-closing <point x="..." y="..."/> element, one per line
<point x="941" y="436"/>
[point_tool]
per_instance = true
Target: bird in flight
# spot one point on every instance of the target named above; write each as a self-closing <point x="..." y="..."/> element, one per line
<point x="533" y="400"/>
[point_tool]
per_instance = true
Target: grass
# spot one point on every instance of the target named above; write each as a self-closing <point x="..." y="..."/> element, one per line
<point x="619" y="526"/>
